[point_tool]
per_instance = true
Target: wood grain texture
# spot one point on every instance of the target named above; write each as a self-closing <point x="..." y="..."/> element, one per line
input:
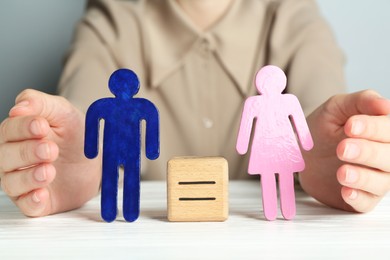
<point x="317" y="231"/>
<point x="197" y="189"/>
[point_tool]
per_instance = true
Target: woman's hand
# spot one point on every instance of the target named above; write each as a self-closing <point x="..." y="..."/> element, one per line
<point x="42" y="165"/>
<point x="349" y="167"/>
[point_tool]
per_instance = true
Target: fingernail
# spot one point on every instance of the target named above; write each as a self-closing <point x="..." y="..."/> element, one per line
<point x="40" y="174"/>
<point x="353" y="195"/>
<point x="43" y="151"/>
<point x="35" y="127"/>
<point x="20" y="105"/>
<point x="35" y="198"/>
<point x="351" y="151"/>
<point x="23" y="103"/>
<point x="351" y="176"/>
<point x="357" y="127"/>
<point x="381" y="97"/>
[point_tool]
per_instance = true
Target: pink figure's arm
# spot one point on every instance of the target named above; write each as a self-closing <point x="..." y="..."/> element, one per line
<point x="245" y="127"/>
<point x="299" y="122"/>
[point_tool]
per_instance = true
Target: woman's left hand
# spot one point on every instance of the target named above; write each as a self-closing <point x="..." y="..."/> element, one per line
<point x="349" y="167"/>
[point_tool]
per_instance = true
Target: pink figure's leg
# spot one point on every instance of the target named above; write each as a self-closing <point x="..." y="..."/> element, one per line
<point x="270" y="200"/>
<point x="287" y="195"/>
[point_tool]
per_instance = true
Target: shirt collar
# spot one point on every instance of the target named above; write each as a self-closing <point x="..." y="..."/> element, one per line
<point x="234" y="39"/>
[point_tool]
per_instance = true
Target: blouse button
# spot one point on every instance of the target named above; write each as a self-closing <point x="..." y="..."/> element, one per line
<point x="207" y="122"/>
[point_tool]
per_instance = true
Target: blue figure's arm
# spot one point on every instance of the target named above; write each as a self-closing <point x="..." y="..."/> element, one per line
<point x="91" y="141"/>
<point x="152" y="135"/>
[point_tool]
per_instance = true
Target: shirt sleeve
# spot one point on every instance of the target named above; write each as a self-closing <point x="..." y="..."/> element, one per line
<point x="90" y="59"/>
<point x="303" y="44"/>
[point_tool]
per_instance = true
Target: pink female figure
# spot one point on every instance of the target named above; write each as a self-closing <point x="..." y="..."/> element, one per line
<point x="275" y="148"/>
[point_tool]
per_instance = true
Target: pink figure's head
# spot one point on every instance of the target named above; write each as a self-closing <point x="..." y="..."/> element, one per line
<point x="270" y="80"/>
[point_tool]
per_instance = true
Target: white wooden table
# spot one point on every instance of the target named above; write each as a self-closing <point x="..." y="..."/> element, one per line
<point x="317" y="232"/>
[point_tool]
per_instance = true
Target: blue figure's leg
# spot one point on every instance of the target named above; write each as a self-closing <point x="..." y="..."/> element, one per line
<point x="287" y="194"/>
<point x="109" y="190"/>
<point x="131" y="193"/>
<point x="270" y="196"/>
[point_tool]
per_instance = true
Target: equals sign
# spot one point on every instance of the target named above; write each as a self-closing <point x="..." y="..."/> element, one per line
<point x="196" y="183"/>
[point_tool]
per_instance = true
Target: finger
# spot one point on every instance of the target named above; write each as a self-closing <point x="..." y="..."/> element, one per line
<point x="22" y="128"/>
<point x="35" y="204"/>
<point x="27" y="153"/>
<point x="375" y="128"/>
<point x="366" y="179"/>
<point x="360" y="200"/>
<point x="365" y="152"/>
<point x="14" y="184"/>
<point x="21" y="108"/>
<point x="366" y="102"/>
<point x="33" y="102"/>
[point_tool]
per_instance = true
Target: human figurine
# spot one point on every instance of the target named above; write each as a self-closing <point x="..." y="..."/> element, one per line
<point x="122" y="117"/>
<point x="275" y="148"/>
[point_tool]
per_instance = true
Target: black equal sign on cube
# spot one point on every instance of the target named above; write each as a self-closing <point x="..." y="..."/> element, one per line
<point x="197" y="183"/>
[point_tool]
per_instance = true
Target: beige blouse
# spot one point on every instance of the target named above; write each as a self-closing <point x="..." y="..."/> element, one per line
<point x="199" y="80"/>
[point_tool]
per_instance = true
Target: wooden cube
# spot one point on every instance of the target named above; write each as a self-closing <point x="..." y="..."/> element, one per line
<point x="198" y="189"/>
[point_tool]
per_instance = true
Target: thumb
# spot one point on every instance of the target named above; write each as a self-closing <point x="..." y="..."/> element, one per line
<point x="32" y="102"/>
<point x="367" y="102"/>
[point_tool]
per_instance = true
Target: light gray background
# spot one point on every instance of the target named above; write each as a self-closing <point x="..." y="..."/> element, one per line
<point x="35" y="35"/>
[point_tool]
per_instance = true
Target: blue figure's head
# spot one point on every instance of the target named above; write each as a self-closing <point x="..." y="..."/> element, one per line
<point x="123" y="83"/>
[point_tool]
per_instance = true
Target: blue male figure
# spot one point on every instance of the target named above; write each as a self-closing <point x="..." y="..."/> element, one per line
<point x="122" y="141"/>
